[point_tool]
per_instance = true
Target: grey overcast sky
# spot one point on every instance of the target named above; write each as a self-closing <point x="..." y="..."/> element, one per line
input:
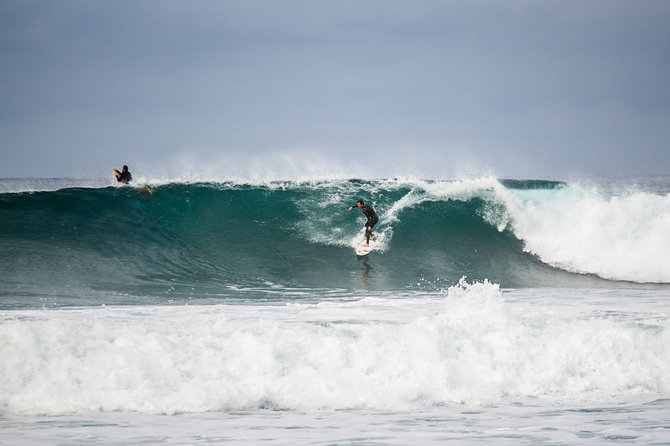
<point x="334" y="88"/>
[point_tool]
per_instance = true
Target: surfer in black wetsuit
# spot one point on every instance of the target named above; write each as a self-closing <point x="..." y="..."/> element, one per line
<point x="372" y="219"/>
<point x="124" y="177"/>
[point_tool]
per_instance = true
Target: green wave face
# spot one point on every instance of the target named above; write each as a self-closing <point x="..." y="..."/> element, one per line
<point x="275" y="241"/>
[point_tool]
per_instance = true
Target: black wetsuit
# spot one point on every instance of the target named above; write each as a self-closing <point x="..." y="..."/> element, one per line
<point x="125" y="177"/>
<point x="372" y="220"/>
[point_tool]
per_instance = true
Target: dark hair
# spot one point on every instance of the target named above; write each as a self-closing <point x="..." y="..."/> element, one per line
<point x="360" y="202"/>
<point x="125" y="167"/>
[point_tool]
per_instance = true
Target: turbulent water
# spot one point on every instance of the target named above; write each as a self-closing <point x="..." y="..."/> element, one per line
<point x="490" y="311"/>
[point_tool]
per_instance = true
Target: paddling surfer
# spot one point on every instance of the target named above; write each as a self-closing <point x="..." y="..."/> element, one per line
<point x="124" y="176"/>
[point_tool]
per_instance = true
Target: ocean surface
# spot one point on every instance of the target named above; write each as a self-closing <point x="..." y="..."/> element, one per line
<point x="490" y="311"/>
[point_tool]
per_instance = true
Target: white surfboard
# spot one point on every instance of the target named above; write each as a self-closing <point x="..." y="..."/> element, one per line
<point x="363" y="250"/>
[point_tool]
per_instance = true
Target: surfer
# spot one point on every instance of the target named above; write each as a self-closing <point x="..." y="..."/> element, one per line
<point x="372" y="220"/>
<point x="124" y="176"/>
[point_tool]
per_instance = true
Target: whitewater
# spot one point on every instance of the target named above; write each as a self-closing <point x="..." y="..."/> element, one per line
<point x="492" y="311"/>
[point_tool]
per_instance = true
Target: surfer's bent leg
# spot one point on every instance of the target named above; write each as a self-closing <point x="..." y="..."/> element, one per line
<point x="368" y="229"/>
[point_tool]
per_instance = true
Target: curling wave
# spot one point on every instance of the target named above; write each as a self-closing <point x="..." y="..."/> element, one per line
<point x="212" y="240"/>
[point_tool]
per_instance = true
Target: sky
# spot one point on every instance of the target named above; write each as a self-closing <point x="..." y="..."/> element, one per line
<point x="435" y="89"/>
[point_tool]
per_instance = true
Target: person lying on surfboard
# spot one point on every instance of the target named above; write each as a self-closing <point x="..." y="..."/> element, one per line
<point x="372" y="220"/>
<point x="124" y="176"/>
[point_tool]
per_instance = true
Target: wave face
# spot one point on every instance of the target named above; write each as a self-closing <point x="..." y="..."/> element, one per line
<point x="223" y="240"/>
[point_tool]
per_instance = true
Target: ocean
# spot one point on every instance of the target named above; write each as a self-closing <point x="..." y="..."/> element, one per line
<point x="490" y="311"/>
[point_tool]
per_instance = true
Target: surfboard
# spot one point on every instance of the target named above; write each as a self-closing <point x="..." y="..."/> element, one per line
<point x="117" y="173"/>
<point x="363" y="250"/>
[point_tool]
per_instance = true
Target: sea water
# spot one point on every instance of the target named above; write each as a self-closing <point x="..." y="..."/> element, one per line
<point x="492" y="312"/>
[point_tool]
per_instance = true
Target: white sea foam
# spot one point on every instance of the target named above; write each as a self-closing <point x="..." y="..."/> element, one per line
<point x="468" y="346"/>
<point x="623" y="237"/>
<point x="576" y="228"/>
